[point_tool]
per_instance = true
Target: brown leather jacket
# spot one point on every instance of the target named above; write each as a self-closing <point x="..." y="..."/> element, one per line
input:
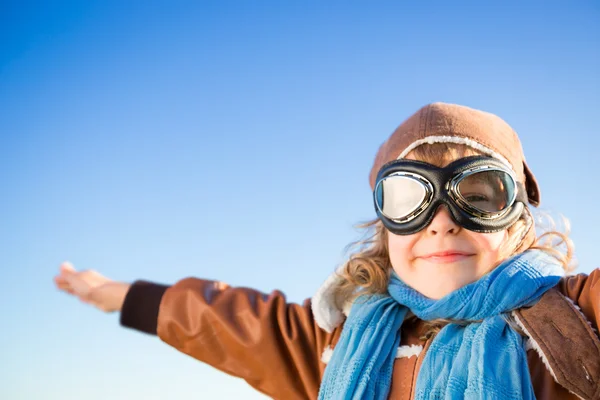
<point x="277" y="346"/>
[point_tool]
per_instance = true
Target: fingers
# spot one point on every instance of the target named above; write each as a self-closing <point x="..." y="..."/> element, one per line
<point x="78" y="285"/>
<point x="67" y="267"/>
<point x="66" y="288"/>
<point x="70" y="281"/>
<point x="62" y="284"/>
<point x="60" y="280"/>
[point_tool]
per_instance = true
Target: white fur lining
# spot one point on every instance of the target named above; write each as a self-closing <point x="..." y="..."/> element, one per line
<point x="409" y="351"/>
<point x="528" y="344"/>
<point x="324" y="307"/>
<point x="457" y="140"/>
<point x="327" y="353"/>
<point x="581" y="313"/>
<point x="534" y="345"/>
<point x="402" y="352"/>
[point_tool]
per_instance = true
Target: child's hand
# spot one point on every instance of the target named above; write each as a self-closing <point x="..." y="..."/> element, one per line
<point x="92" y="288"/>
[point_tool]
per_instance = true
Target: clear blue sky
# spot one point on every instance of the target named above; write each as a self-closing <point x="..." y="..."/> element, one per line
<point x="233" y="140"/>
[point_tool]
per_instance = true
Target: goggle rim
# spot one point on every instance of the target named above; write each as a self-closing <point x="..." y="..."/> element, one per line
<point x="424" y="203"/>
<point x="457" y="197"/>
<point x="452" y="189"/>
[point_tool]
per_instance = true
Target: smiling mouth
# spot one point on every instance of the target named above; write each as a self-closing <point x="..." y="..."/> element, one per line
<point x="446" y="257"/>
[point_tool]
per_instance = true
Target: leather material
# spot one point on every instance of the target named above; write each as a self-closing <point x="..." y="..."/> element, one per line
<point x="571" y="347"/>
<point x="276" y="346"/>
<point x="569" y="344"/>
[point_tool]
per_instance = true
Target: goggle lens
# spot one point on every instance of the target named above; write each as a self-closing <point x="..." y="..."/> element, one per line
<point x="487" y="191"/>
<point x="398" y="196"/>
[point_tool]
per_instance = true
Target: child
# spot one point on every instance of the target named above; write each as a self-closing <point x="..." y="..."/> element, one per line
<point x="452" y="296"/>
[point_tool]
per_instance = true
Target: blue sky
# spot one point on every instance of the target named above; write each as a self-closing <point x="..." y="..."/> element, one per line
<point x="124" y="124"/>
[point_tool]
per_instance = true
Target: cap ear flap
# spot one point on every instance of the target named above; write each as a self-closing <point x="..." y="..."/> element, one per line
<point x="531" y="185"/>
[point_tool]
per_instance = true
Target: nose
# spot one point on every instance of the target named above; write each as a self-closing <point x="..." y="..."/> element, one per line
<point x="442" y="223"/>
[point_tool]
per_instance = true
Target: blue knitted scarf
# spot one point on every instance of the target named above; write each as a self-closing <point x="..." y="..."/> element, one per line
<point x="483" y="360"/>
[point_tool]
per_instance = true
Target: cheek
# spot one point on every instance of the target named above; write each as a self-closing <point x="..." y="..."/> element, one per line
<point x="491" y="247"/>
<point x="400" y="249"/>
<point x="491" y="241"/>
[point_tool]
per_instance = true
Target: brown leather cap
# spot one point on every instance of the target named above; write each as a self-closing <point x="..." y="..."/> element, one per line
<point x="439" y="122"/>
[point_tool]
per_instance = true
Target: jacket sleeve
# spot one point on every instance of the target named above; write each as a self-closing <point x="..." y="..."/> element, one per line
<point x="584" y="290"/>
<point x="273" y="345"/>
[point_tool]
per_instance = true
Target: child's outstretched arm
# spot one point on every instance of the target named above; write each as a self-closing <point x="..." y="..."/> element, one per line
<point x="273" y="345"/>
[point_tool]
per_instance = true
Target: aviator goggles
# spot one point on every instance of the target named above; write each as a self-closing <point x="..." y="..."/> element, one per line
<point x="481" y="194"/>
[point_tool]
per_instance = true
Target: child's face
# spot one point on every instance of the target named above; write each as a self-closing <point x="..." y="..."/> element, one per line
<point x="414" y="260"/>
<point x="444" y="256"/>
